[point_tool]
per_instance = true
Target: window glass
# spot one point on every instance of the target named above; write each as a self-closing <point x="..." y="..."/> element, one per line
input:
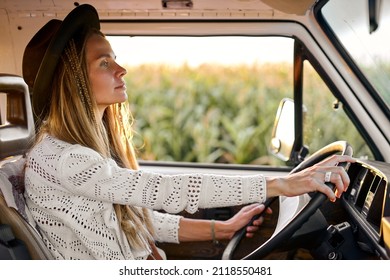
<point x="325" y="119"/>
<point x="365" y="37"/>
<point x="205" y="99"/>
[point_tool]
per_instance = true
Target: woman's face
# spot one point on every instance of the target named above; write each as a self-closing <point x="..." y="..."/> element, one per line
<point x="105" y="75"/>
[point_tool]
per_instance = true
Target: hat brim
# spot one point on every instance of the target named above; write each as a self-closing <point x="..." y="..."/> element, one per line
<point x="80" y="19"/>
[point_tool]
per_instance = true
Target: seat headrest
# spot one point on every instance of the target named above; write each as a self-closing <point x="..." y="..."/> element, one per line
<point x="16" y="120"/>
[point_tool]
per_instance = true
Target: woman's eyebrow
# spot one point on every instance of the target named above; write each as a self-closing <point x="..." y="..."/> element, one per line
<point x="106" y="55"/>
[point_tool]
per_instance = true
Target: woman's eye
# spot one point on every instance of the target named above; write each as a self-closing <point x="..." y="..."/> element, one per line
<point x="104" y="63"/>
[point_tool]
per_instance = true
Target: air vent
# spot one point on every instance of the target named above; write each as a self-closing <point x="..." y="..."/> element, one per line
<point x="367" y="194"/>
<point x="374" y="209"/>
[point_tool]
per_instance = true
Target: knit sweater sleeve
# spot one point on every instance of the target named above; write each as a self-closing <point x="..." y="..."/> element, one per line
<point x="166" y="227"/>
<point x="84" y="172"/>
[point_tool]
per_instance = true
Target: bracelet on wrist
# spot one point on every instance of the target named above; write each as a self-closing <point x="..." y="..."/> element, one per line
<point x="212" y="225"/>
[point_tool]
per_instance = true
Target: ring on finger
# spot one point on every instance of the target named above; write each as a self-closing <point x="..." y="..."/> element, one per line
<point x="327" y="176"/>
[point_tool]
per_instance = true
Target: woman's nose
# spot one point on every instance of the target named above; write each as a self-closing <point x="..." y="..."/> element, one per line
<point x="121" y="70"/>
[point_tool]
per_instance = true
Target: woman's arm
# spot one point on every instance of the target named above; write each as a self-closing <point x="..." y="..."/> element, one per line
<point x="84" y="172"/>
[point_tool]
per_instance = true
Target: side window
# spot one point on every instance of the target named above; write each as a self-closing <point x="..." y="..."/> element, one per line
<point x="206" y="99"/>
<point x="214" y="99"/>
<point x="12" y="108"/>
<point x="325" y="119"/>
<point x="3" y="107"/>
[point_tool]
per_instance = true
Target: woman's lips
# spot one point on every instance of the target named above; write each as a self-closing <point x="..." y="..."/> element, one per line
<point x="121" y="86"/>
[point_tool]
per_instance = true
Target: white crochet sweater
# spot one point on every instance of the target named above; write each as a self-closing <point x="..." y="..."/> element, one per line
<point x="70" y="191"/>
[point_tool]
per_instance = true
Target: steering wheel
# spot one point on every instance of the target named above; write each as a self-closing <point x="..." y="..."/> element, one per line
<point x="290" y="220"/>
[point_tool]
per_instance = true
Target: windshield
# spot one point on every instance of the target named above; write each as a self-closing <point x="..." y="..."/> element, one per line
<point x="363" y="29"/>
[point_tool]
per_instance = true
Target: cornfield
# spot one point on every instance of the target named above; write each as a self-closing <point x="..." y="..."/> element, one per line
<point x="216" y="113"/>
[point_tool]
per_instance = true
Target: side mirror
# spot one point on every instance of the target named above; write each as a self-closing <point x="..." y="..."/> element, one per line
<point x="283" y="135"/>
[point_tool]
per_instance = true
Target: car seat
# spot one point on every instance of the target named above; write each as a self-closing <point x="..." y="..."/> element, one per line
<point x="19" y="238"/>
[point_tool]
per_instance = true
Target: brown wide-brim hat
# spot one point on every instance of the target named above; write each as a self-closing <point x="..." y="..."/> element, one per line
<point x="44" y="50"/>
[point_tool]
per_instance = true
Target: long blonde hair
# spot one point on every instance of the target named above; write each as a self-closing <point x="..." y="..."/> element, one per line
<point x="72" y="119"/>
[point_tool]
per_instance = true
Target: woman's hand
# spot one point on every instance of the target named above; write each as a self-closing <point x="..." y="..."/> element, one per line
<point x="228" y="228"/>
<point x="202" y="230"/>
<point x="313" y="178"/>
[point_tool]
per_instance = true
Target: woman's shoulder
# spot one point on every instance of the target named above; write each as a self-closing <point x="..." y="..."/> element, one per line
<point x="51" y="144"/>
<point x="58" y="148"/>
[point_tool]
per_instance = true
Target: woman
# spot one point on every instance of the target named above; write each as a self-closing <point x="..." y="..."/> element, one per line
<point x="83" y="185"/>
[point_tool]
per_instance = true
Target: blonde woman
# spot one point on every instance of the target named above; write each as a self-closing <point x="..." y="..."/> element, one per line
<point x="83" y="185"/>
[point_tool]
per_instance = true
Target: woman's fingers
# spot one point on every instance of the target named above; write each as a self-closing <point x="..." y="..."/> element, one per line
<point x="337" y="176"/>
<point x="252" y="210"/>
<point x="318" y="177"/>
<point x="335" y="160"/>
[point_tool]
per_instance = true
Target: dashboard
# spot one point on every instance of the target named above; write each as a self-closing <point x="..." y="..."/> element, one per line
<point x="368" y="203"/>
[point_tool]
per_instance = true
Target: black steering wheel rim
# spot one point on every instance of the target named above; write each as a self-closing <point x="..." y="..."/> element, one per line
<point x="300" y="218"/>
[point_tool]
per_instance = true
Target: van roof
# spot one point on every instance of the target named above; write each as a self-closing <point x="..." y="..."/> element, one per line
<point x="160" y="8"/>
